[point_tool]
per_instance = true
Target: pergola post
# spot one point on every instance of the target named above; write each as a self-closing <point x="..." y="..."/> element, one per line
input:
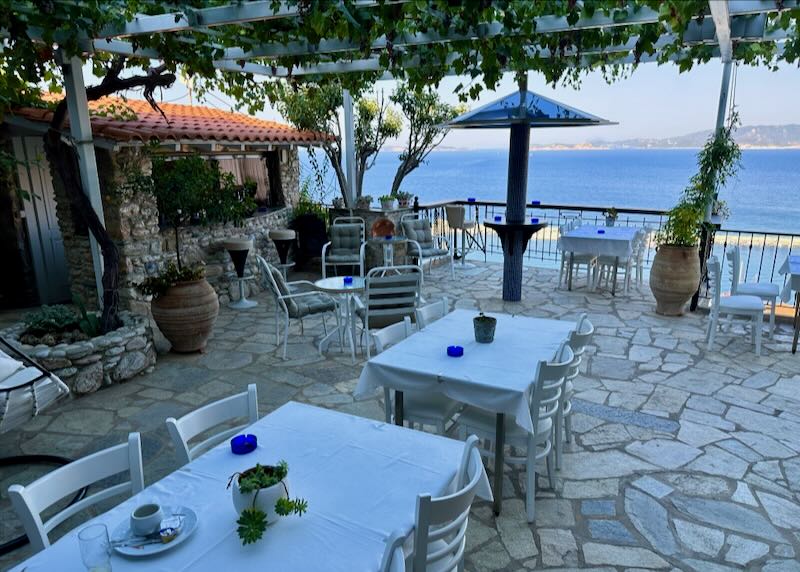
<point x="80" y="127"/>
<point x="349" y="148"/>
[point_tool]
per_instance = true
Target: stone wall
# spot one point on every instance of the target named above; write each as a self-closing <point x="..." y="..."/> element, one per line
<point x="88" y="365"/>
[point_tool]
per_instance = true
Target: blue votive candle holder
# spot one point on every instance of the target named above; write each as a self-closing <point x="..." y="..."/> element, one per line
<point x="534" y="220"/>
<point x="536" y="203"/>
<point x="455" y="351"/>
<point x="243" y="444"/>
<point x="348" y="280"/>
<point x="471" y="199"/>
<point x="388" y="237"/>
<point x="497" y="218"/>
<point x="600" y="231"/>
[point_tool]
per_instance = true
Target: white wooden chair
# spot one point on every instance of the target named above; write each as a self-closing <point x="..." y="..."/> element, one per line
<point x="767" y="291"/>
<point x="578" y="340"/>
<point x="418" y="407"/>
<point x="439" y="537"/>
<point x="201" y="420"/>
<point x="604" y="269"/>
<point x="297" y="299"/>
<point x="431" y="312"/>
<point x="30" y="501"/>
<point x="544" y="406"/>
<point x="347" y="244"/>
<point x="578" y="260"/>
<point x="749" y="307"/>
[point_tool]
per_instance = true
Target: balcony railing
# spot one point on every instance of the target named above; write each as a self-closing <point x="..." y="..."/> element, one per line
<point x="762" y="252"/>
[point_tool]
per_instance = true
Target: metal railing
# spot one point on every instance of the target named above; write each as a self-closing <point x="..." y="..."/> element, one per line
<point x="763" y="253"/>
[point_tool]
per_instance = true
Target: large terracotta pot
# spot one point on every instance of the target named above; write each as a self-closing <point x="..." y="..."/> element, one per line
<point x="186" y="313"/>
<point x="674" y="278"/>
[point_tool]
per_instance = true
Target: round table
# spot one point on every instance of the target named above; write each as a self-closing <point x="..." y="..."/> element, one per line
<point x="345" y="296"/>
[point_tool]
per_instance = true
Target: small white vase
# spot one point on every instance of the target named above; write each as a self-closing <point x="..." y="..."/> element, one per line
<point x="265" y="500"/>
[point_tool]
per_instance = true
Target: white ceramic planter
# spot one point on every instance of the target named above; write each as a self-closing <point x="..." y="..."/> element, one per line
<point x="388" y="205"/>
<point x="265" y="500"/>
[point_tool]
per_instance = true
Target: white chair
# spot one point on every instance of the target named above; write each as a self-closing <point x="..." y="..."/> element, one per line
<point x="578" y="260"/>
<point x="544" y="405"/>
<point x="297" y="299"/>
<point x="625" y="265"/>
<point x="440" y="530"/>
<point x="418" y="407"/>
<point x="578" y="340"/>
<point x="199" y="421"/>
<point x="346" y="247"/>
<point x="767" y="291"/>
<point x="423" y="244"/>
<point x="431" y="312"/>
<point x="749" y="307"/>
<point x="30" y="501"/>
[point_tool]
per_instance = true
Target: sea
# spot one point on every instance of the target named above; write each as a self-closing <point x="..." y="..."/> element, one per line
<point x="765" y="196"/>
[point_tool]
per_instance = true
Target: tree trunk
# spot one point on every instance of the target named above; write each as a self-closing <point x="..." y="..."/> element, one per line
<point x="64" y="160"/>
<point x="334" y="158"/>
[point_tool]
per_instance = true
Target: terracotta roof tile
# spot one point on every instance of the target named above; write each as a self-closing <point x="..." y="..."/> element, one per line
<point x="186" y="122"/>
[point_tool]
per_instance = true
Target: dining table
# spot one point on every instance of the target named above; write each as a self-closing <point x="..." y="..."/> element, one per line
<point x="791" y="269"/>
<point x="360" y="477"/>
<point x="494" y="376"/>
<point x="345" y="290"/>
<point x="613" y="241"/>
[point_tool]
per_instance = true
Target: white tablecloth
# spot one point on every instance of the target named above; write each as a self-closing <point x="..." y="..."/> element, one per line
<point x="790" y="266"/>
<point x="615" y="241"/>
<point x="495" y="376"/>
<point x="360" y="477"/>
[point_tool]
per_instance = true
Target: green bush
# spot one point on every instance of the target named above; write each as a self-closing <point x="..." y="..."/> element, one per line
<point x="157" y="285"/>
<point x="51" y="320"/>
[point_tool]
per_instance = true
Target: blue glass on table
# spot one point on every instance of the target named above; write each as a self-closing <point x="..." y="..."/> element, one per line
<point x="455" y="351"/>
<point x="348" y="280"/>
<point x="243" y="444"/>
<point x="534" y="220"/>
<point x="536" y="203"/>
<point x="471" y="199"/>
<point x="497" y="218"/>
<point x="600" y="231"/>
<point x="388" y="237"/>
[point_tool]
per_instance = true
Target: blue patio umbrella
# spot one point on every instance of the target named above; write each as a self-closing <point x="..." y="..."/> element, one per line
<point x="520" y="111"/>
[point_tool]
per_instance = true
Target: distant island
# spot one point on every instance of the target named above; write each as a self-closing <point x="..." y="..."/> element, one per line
<point x="748" y="137"/>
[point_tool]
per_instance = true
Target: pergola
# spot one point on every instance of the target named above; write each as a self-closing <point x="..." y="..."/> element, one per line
<point x="732" y="23"/>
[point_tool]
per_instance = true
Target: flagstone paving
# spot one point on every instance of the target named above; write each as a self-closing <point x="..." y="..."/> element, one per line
<point x="683" y="459"/>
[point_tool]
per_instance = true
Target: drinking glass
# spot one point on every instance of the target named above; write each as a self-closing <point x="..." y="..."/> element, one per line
<point x="95" y="548"/>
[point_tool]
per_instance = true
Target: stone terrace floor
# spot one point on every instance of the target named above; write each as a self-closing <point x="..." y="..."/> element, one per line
<point x="684" y="459"/>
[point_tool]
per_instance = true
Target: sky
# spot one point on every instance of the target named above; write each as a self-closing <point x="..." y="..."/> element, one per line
<point x="654" y="102"/>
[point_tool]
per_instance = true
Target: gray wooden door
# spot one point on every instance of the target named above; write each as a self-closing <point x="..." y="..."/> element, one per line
<point x="46" y="242"/>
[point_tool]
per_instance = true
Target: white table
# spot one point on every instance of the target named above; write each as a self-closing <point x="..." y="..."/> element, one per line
<point x="345" y="294"/>
<point x="495" y="377"/>
<point x="791" y="266"/>
<point x="360" y="477"/>
<point x="614" y="241"/>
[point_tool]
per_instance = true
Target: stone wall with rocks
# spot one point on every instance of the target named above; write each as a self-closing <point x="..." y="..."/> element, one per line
<point x="88" y="365"/>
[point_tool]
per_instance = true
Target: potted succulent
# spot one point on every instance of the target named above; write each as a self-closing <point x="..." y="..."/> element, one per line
<point x="337" y="202"/>
<point x="676" y="272"/>
<point x="403" y="199"/>
<point x="364" y="202"/>
<point x="260" y="495"/>
<point x="189" y="189"/>
<point x="611" y="216"/>
<point x="387" y="202"/>
<point x="484" y="328"/>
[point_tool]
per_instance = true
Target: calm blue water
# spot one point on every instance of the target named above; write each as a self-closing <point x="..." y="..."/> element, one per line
<point x="766" y="195"/>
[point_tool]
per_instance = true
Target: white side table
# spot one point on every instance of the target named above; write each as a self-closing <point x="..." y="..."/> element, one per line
<point x="345" y="296"/>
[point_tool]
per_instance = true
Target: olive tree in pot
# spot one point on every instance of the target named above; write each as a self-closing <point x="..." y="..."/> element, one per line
<point x="189" y="190"/>
<point x="677" y="266"/>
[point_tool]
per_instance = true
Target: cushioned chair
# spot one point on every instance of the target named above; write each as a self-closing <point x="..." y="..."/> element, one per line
<point x="295" y="300"/>
<point x="767" y="291"/>
<point x="346" y="247"/>
<point x="423" y="244"/>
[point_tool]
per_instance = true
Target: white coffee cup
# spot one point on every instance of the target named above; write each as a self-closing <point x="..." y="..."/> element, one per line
<point x="146" y="519"/>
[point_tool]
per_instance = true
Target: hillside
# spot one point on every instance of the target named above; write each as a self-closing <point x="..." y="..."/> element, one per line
<point x="746" y="136"/>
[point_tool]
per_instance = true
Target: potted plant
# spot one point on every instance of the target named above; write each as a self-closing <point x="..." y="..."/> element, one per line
<point x="484" y="328"/>
<point x="676" y="272"/>
<point x="337" y="203"/>
<point x="403" y="199"/>
<point x="611" y="216"/>
<point x="260" y="495"/>
<point x="184" y="305"/>
<point x="364" y="202"/>
<point x="387" y="202"/>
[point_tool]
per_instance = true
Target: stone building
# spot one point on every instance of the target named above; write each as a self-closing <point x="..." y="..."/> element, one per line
<point x="45" y="250"/>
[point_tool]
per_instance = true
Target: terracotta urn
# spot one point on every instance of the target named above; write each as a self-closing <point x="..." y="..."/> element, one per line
<point x="674" y="278"/>
<point x="186" y="313"/>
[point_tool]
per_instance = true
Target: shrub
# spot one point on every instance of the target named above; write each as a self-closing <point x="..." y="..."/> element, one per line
<point x="51" y="320"/>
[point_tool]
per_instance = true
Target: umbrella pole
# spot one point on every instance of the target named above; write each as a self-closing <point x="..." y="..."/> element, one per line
<point x="515" y="210"/>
